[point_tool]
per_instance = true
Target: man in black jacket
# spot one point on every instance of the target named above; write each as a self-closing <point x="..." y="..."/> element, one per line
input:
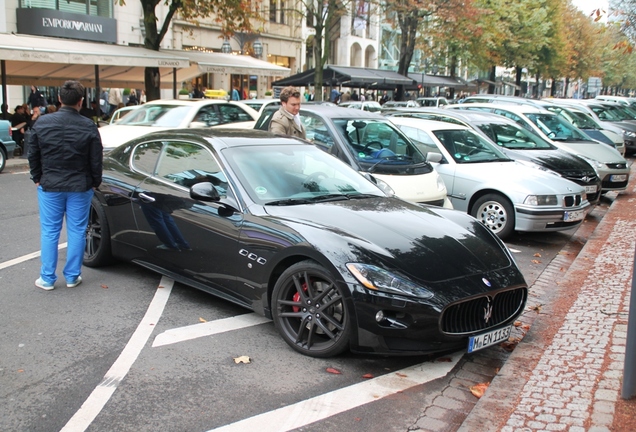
<point x="65" y="157"/>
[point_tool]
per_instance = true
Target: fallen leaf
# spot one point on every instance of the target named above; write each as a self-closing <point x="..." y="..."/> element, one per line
<point x="333" y="371"/>
<point x="160" y="286"/>
<point x="517" y="323"/>
<point x="242" y="359"/>
<point x="478" y="390"/>
<point x="20" y="370"/>
<point x="444" y="360"/>
<point x="536" y="308"/>
<point x="538" y="255"/>
<point x="104" y="286"/>
<point x="510" y="344"/>
<point x="401" y="375"/>
<point x="367" y="376"/>
<point x="357" y="419"/>
<point x="526" y="327"/>
<point x="536" y="262"/>
<point x="202" y="320"/>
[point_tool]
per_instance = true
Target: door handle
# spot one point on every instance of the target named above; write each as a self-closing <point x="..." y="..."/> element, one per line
<point x="146" y="198"/>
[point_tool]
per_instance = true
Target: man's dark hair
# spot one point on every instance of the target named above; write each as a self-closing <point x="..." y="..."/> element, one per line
<point x="71" y="93"/>
<point x="288" y="92"/>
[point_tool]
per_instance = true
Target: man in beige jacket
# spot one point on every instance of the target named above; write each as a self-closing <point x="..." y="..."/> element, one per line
<point x="286" y="121"/>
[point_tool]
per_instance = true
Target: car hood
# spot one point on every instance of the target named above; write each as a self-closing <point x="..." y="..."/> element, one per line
<point x="593" y="150"/>
<point x="555" y="159"/>
<point x="115" y="135"/>
<point x="427" y="244"/>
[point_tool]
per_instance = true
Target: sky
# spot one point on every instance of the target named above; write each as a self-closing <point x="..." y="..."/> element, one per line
<point x="588" y="6"/>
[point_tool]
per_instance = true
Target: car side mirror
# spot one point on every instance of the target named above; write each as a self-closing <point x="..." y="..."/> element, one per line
<point x="433" y="157"/>
<point x="204" y="191"/>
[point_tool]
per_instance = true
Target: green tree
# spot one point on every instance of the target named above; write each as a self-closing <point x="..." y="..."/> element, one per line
<point x="232" y="15"/>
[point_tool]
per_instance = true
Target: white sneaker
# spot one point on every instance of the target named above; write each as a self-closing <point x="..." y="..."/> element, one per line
<point x="40" y="283"/>
<point x="76" y="282"/>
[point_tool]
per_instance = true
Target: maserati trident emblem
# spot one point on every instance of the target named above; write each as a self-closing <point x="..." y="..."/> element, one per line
<point x="487" y="311"/>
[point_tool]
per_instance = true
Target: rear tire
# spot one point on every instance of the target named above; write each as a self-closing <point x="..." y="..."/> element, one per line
<point x="496" y="213"/>
<point x="97" y="251"/>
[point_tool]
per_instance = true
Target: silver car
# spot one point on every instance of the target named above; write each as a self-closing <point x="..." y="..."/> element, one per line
<point x="608" y="163"/>
<point x="481" y="180"/>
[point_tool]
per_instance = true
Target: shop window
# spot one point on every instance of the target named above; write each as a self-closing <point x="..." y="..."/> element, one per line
<point x="102" y="8"/>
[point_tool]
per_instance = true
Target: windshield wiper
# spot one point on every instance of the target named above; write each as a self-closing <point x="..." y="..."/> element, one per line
<point x="289" y="201"/>
<point x="388" y="158"/>
<point x="329" y="197"/>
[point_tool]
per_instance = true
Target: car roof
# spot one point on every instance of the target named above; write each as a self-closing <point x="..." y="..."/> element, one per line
<point x="226" y="137"/>
<point x="429" y="125"/>
<point x="516" y="108"/>
<point x="189" y="102"/>
<point x="339" y="112"/>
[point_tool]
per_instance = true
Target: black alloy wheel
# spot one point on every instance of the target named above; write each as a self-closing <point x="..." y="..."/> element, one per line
<point x="3" y="159"/>
<point x="310" y="311"/>
<point x="97" y="251"/>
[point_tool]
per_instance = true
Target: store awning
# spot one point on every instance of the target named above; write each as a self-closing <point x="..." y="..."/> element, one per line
<point x="212" y="62"/>
<point x="349" y="76"/>
<point x="438" y="80"/>
<point x="42" y="61"/>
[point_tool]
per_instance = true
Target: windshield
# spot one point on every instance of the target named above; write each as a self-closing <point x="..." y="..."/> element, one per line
<point x="556" y="128"/>
<point x="580" y="121"/>
<point x="514" y="137"/>
<point x="609" y="113"/>
<point x="156" y="115"/>
<point x="295" y="174"/>
<point x="380" y="147"/>
<point x="465" y="146"/>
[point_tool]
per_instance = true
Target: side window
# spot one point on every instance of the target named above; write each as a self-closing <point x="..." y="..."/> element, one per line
<point x="208" y="116"/>
<point x="186" y="164"/>
<point x="233" y="113"/>
<point x="317" y="132"/>
<point x="145" y="156"/>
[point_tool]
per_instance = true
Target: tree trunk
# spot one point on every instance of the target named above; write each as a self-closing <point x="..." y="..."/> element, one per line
<point x="518" y="73"/>
<point x="408" y="25"/>
<point x="492" y="77"/>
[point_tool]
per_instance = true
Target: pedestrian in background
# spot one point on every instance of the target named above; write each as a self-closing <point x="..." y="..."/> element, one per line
<point x="286" y="121"/>
<point x="36" y="98"/>
<point x="65" y="158"/>
<point x="114" y="99"/>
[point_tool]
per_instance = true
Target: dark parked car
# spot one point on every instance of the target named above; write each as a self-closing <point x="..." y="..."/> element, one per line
<point x="282" y="228"/>
<point x="7" y="145"/>
<point x="521" y="145"/>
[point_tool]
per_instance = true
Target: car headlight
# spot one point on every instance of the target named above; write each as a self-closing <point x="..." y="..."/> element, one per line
<point x="378" y="279"/>
<point x="629" y="133"/>
<point x="441" y="186"/>
<point x="384" y="186"/>
<point x="593" y="162"/>
<point x="541" y="200"/>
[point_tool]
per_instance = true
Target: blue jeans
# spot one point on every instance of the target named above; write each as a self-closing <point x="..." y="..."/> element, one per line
<point x="53" y="207"/>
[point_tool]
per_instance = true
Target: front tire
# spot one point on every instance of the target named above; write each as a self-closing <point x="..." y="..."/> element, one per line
<point x="496" y="213"/>
<point x="97" y="251"/>
<point x="3" y="159"/>
<point x="310" y="311"/>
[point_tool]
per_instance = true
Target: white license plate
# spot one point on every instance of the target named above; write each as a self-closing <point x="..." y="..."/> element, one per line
<point x="572" y="216"/>
<point x="487" y="339"/>
<point x="591" y="189"/>
<point x="618" y="177"/>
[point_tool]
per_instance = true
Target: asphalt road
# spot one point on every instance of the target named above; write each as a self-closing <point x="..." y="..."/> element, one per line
<point x="128" y="351"/>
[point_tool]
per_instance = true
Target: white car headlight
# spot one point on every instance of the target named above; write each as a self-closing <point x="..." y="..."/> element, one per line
<point x="441" y="186"/>
<point x="541" y="200"/>
<point x="593" y="162"/>
<point x="384" y="186"/>
<point x="629" y="133"/>
<point x="377" y="279"/>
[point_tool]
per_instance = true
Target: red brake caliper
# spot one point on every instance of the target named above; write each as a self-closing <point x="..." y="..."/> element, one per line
<point x="296" y="297"/>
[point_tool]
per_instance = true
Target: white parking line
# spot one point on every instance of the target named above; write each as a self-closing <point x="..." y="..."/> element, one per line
<point x="326" y="405"/>
<point x="27" y="257"/>
<point x="102" y="393"/>
<point x="209" y="328"/>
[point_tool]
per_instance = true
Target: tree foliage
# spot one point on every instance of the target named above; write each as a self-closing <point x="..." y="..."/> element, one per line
<point x="231" y="15"/>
